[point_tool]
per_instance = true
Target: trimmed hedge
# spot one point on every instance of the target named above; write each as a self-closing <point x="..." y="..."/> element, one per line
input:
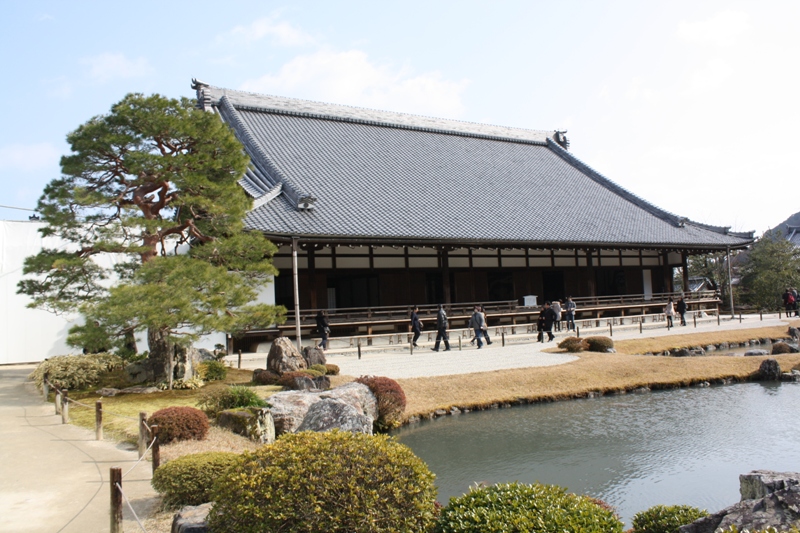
<point x="322" y="369"/>
<point x="215" y="401"/>
<point x="179" y="423"/>
<point x="573" y="344"/>
<point x="391" y="400"/>
<point x="75" y="372"/>
<point x="336" y="481"/>
<point x="188" y="480"/>
<point x="518" y="508"/>
<point x="665" y="518"/>
<point x="599" y="344"/>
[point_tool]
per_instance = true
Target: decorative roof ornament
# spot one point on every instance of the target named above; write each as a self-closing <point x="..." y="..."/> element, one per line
<point x="561" y="138"/>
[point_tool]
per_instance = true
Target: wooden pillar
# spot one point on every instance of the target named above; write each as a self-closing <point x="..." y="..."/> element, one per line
<point x="299" y="340"/>
<point x="445" y="274"/>
<point x="312" y="276"/>
<point x="685" y="266"/>
<point x="591" y="278"/>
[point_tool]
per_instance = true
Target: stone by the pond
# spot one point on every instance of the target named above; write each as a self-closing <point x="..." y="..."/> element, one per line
<point x="769" y="370"/>
<point x="191" y="519"/>
<point x="794" y="375"/>
<point x="289" y="408"/>
<point x="758" y="483"/>
<point x="779" y="509"/>
<point x="757" y="352"/>
<point x="688" y="352"/>
<point x="284" y="357"/>
<point x="255" y="423"/>
<point x="329" y="414"/>
<point x="794" y="333"/>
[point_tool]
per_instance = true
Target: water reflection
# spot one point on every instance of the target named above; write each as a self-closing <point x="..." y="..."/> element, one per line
<point x="684" y="446"/>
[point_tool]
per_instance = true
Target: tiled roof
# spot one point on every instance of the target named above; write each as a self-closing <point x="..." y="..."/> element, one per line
<point x="329" y="171"/>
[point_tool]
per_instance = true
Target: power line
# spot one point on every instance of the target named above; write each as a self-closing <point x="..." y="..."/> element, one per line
<point x="19" y="208"/>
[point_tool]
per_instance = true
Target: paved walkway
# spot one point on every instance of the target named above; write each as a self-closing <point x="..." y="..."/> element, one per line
<point x="54" y="477"/>
<point x="522" y="352"/>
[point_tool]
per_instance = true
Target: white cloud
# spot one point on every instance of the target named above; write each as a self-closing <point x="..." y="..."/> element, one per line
<point x="712" y="76"/>
<point x="350" y="78"/>
<point x="281" y="33"/>
<point x="723" y="29"/>
<point x="28" y="157"/>
<point x="108" y="66"/>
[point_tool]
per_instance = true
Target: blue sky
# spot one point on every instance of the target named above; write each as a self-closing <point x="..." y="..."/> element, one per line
<point x="691" y="105"/>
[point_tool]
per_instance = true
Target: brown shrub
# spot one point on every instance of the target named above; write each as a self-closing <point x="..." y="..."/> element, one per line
<point x="780" y="348"/>
<point x="179" y="423"/>
<point x="573" y="344"/>
<point x="331" y="370"/>
<point x="391" y="400"/>
<point x="265" y="377"/>
<point x="599" y="344"/>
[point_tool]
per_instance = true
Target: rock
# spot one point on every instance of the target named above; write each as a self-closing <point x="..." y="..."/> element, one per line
<point x="794" y="375"/>
<point x="440" y="412"/>
<point x="289" y="408"/>
<point x="322" y="382"/>
<point x="641" y="390"/>
<point x="284" y="357"/>
<point x="759" y="483"/>
<point x="724" y="346"/>
<point x="139" y="390"/>
<point x="779" y="509"/>
<point x="756" y="352"/>
<point x="610" y="350"/>
<point x="255" y="423"/>
<point x="769" y="370"/>
<point x="191" y="519"/>
<point x="314" y="356"/>
<point x="108" y="391"/>
<point x="794" y="333"/>
<point x="688" y="352"/>
<point x="329" y="414"/>
<point x="140" y="372"/>
<point x="187" y="361"/>
<point x="710" y="348"/>
<point x="302" y="383"/>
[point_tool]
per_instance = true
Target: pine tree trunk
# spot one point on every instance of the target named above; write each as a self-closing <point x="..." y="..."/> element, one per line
<point x="161" y="353"/>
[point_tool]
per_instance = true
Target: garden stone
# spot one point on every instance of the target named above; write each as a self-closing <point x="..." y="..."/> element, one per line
<point x="139" y="372"/>
<point x="759" y="483"/>
<point x="329" y="414"/>
<point x="187" y="361"/>
<point x="314" y="356"/>
<point x="284" y="357"/>
<point x="139" y="390"/>
<point x="255" y="423"/>
<point x="794" y="333"/>
<point x="322" y="382"/>
<point x="192" y="519"/>
<point x="769" y="370"/>
<point x="108" y="392"/>
<point x="710" y="348"/>
<point x="794" y="376"/>
<point x="756" y="352"/>
<point x="302" y="383"/>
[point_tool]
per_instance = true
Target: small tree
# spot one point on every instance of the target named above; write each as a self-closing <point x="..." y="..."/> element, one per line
<point x="151" y="209"/>
<point x="772" y="265"/>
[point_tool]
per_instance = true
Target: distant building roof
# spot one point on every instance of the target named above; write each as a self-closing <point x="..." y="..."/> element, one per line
<point x="337" y="172"/>
<point x="793" y="234"/>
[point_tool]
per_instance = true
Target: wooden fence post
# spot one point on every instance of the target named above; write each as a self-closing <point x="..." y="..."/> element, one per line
<point x="65" y="407"/>
<point x="359" y="349"/>
<point x="239" y="365"/>
<point x="156" y="449"/>
<point x="45" y="387"/>
<point x="459" y="342"/>
<point x="503" y="338"/>
<point x="411" y="348"/>
<point x="57" y="401"/>
<point x="142" y="433"/>
<point x="610" y="329"/>
<point x="577" y="332"/>
<point x="115" y="478"/>
<point x="98" y="419"/>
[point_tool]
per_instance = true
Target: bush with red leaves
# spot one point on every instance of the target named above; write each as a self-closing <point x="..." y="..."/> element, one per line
<point x="391" y="400"/>
<point x="179" y="423"/>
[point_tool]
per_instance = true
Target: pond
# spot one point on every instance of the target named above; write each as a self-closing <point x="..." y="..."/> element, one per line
<point x="680" y="446"/>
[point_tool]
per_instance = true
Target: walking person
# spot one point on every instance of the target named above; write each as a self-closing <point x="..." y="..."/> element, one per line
<point x="540" y="323"/>
<point x="682" y="310"/>
<point x="570" y="308"/>
<point x="441" y="330"/>
<point x="669" y="312"/>
<point x="556" y="307"/>
<point x="796" y="298"/>
<point x="476" y="323"/>
<point x="789" y="301"/>
<point x="485" y="325"/>
<point x="549" y="320"/>
<point x="416" y="326"/>
<point x="323" y="328"/>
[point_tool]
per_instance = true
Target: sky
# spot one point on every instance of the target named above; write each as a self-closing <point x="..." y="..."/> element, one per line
<point x="691" y="105"/>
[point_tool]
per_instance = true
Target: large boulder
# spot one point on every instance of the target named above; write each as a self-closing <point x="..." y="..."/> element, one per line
<point x="329" y="414"/>
<point x="191" y="519"/>
<point x="757" y="352"/>
<point x="779" y="509"/>
<point x="769" y="370"/>
<point x="758" y="483"/>
<point x="794" y="333"/>
<point x="284" y="357"/>
<point x="187" y="361"/>
<point x="255" y="423"/>
<point x="314" y="356"/>
<point x="140" y="372"/>
<point x="289" y="408"/>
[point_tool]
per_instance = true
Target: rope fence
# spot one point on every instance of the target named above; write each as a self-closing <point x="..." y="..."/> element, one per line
<point x="147" y="434"/>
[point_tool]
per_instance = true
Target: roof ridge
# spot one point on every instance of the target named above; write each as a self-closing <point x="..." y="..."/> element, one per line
<point x="210" y="95"/>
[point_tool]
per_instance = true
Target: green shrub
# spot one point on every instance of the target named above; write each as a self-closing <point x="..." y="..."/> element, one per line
<point x="516" y="507"/>
<point x="188" y="480"/>
<point x="665" y="518"/>
<point x="598" y="344"/>
<point x="780" y="348"/>
<point x="332" y="370"/>
<point x="212" y="370"/>
<point x="573" y="344"/>
<point x="350" y="483"/>
<point x="182" y="384"/>
<point x="179" y="423"/>
<point x="215" y="401"/>
<point x="391" y="400"/>
<point x="322" y="369"/>
<point x="310" y="372"/>
<point x="265" y="377"/>
<point x="75" y="372"/>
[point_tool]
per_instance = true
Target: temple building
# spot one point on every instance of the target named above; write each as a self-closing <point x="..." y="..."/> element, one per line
<point x="393" y="209"/>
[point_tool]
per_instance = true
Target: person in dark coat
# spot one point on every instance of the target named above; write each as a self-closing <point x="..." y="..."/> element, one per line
<point x="681" y="307"/>
<point x="323" y="328"/>
<point x="441" y="330"/>
<point x="476" y="323"/>
<point x="485" y="326"/>
<point x="416" y="325"/>
<point x="540" y="326"/>
<point x="549" y="320"/>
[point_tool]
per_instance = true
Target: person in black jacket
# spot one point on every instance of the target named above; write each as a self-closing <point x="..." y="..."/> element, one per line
<point x="441" y="330"/>
<point x="549" y="320"/>
<point x="416" y="325"/>
<point x="682" y="310"/>
<point x="323" y="328"/>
